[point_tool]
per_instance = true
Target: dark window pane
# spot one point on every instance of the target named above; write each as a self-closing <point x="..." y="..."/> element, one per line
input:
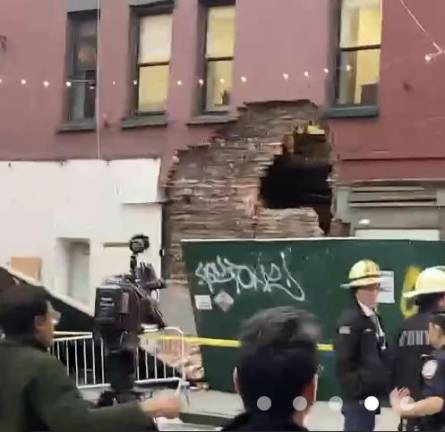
<point x="81" y="91"/>
<point x="219" y="85"/>
<point x="358" y="77"/>
<point x="85" y="35"/>
<point x="82" y="97"/>
<point x="153" y="88"/>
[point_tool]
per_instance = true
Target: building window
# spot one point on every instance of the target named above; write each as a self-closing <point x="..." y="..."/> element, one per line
<point x="153" y="64"/>
<point x="220" y="46"/>
<point x="359" y="52"/>
<point x="82" y="65"/>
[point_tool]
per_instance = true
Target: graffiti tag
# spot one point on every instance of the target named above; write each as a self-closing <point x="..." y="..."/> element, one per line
<point x="264" y="278"/>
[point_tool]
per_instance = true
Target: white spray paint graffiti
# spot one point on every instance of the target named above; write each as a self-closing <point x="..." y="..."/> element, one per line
<point x="262" y="278"/>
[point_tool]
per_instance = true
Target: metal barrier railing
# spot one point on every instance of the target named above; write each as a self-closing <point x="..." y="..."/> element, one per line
<point x="160" y="359"/>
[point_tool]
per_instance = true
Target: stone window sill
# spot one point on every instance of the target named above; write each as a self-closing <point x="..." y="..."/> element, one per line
<point x="88" y="125"/>
<point x="359" y="111"/>
<point x="209" y="119"/>
<point x="144" y="121"/>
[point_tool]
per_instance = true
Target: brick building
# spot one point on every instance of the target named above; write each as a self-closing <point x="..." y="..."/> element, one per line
<point x="215" y="118"/>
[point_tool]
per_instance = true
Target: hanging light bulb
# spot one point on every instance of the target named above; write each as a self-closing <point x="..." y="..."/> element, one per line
<point x="243" y="79"/>
<point x="114" y="83"/>
<point x="1" y="80"/>
<point x="46" y="84"/>
<point x="135" y="82"/>
<point x="201" y="82"/>
<point x="222" y="80"/>
<point x="179" y="83"/>
<point x="349" y="68"/>
<point x="326" y="70"/>
<point x="286" y="76"/>
<point x="306" y="74"/>
<point x="428" y="58"/>
<point x="23" y="82"/>
<point x="68" y="83"/>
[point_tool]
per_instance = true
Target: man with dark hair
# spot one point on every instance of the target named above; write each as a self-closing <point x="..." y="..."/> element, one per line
<point x="430" y="408"/>
<point x="35" y="392"/>
<point x="277" y="370"/>
<point x="362" y="359"/>
<point x="412" y="342"/>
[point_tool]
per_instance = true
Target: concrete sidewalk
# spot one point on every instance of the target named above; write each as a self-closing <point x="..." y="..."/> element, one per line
<point x="209" y="410"/>
<point x="210" y="407"/>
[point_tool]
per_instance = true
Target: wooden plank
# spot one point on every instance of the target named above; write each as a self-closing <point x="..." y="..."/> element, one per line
<point x="29" y="266"/>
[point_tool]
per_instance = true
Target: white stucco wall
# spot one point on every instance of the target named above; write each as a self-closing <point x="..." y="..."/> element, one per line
<point x="44" y="205"/>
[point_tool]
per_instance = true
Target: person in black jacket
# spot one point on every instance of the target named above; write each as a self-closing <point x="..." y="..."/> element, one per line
<point x="412" y="342"/>
<point x="361" y="350"/>
<point x="36" y="394"/>
<point x="277" y="371"/>
<point x="430" y="409"/>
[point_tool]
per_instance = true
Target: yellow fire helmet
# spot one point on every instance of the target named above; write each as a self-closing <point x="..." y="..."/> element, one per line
<point x="430" y="281"/>
<point x="364" y="273"/>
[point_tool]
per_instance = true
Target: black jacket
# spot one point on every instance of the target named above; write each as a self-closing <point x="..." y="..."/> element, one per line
<point x="410" y="346"/>
<point x="261" y="422"/>
<point x="362" y="360"/>
<point x="37" y="395"/>
<point x="433" y="385"/>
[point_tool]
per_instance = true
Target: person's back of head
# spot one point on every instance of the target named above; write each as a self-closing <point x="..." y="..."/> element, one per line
<point x="278" y="362"/>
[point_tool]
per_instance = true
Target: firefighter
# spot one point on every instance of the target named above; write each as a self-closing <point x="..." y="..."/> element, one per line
<point x="412" y="338"/>
<point x="430" y="410"/>
<point x="361" y="349"/>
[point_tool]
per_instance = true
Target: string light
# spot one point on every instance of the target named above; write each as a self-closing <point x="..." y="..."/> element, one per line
<point x="286" y="76"/>
<point x="364" y="222"/>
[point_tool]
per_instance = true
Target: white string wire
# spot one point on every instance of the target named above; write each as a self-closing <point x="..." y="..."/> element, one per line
<point x="439" y="49"/>
<point x="98" y="70"/>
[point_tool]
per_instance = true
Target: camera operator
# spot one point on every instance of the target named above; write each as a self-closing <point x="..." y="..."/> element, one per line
<point x="36" y="394"/>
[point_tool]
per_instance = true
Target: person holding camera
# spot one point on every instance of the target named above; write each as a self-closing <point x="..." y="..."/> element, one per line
<point x="36" y="394"/>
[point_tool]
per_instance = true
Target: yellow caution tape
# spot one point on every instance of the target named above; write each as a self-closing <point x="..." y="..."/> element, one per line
<point x="193" y="340"/>
<point x="221" y="343"/>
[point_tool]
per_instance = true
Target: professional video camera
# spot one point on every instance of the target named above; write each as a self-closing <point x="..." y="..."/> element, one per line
<point x="123" y="304"/>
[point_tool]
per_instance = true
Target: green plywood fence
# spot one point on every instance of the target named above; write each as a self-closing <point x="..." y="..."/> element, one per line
<point x="234" y="279"/>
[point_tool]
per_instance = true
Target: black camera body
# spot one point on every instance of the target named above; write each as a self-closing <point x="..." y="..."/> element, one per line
<point x="123" y="304"/>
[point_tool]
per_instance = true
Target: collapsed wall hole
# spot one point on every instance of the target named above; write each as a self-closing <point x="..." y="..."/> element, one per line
<point x="300" y="176"/>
